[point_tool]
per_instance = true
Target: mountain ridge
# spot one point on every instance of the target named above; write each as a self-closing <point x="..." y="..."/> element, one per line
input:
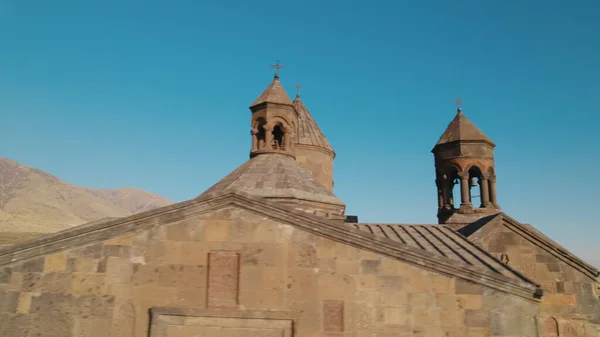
<point x="35" y="201"/>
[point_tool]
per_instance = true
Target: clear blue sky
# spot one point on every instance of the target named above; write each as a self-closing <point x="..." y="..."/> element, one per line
<point x="155" y="94"/>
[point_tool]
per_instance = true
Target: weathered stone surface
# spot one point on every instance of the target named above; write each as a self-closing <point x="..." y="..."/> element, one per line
<point x="333" y="288"/>
<point x="223" y="279"/>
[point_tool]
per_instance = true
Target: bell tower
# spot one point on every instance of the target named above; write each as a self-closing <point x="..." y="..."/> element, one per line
<point x="273" y="120"/>
<point x="464" y="157"/>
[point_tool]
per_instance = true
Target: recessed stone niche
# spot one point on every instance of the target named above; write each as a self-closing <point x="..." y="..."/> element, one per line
<point x="177" y="322"/>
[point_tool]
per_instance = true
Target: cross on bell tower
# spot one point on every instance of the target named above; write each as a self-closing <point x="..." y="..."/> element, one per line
<point x="464" y="157"/>
<point x="273" y="120"/>
<point x="277" y="66"/>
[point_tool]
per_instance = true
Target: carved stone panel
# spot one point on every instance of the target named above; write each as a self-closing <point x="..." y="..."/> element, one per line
<point x="333" y="316"/>
<point x="174" y="322"/>
<point x="223" y="279"/>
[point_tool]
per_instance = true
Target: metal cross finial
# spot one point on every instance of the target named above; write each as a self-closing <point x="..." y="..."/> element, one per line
<point x="458" y="102"/>
<point x="298" y="87"/>
<point x="277" y="66"/>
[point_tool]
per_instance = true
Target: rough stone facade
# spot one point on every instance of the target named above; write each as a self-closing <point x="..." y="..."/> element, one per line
<point x="318" y="162"/>
<point x="570" y="303"/>
<point x="265" y="252"/>
<point x="210" y="273"/>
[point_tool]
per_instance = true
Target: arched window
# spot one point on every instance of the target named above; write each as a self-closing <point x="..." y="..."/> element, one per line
<point x="475" y="177"/>
<point x="277" y="137"/>
<point x="450" y="179"/>
<point x="550" y="327"/>
<point x="260" y="135"/>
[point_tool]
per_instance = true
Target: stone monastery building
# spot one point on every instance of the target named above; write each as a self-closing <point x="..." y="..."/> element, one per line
<point x="268" y="251"/>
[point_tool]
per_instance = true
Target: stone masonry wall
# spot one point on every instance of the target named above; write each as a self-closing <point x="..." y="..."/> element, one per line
<point x="570" y="298"/>
<point x="233" y="264"/>
<point x="319" y="163"/>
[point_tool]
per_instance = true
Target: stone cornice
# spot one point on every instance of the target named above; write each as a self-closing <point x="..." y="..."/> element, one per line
<point x="551" y="247"/>
<point x="315" y="148"/>
<point x="88" y="234"/>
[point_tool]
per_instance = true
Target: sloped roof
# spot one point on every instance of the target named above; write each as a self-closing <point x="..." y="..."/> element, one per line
<point x="273" y="175"/>
<point x="309" y="132"/>
<point x="462" y="129"/>
<point x="275" y="93"/>
<point x="443" y="242"/>
<point x="480" y="227"/>
<point x="341" y="233"/>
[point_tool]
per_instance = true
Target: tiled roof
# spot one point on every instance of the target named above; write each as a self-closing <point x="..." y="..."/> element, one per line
<point x="274" y="175"/>
<point x="443" y="242"/>
<point x="275" y="93"/>
<point x="309" y="132"/>
<point x="461" y="128"/>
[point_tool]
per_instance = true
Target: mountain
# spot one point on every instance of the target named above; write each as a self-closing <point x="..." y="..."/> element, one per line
<point x="34" y="201"/>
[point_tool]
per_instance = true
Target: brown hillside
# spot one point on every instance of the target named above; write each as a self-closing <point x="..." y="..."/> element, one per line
<point x="32" y="200"/>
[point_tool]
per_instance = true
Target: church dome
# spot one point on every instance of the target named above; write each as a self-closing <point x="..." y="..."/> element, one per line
<point x="280" y="178"/>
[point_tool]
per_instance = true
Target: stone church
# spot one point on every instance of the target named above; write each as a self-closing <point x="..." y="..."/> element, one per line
<point x="269" y="251"/>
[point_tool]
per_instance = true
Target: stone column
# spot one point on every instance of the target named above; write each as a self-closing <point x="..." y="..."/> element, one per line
<point x="493" y="200"/>
<point x="268" y="136"/>
<point x="464" y="189"/>
<point x="287" y="139"/>
<point x="484" y="191"/>
<point x="440" y="193"/>
<point x="254" y="133"/>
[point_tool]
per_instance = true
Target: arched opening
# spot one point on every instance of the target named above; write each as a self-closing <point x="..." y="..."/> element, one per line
<point x="277" y="137"/>
<point x="449" y="185"/>
<point x="550" y="327"/>
<point x="260" y="132"/>
<point x="476" y="195"/>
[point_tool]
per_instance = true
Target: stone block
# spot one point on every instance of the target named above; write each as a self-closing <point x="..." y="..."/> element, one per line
<point x="5" y="275"/>
<point x="29" y="281"/>
<point x="303" y="256"/>
<point x="117" y="251"/>
<point x="471" y="302"/>
<point x="84" y="283"/>
<point x="185" y="231"/>
<point x="8" y="302"/>
<point x="56" y="263"/>
<point x="94" y="305"/>
<point x="118" y="271"/>
<point x="182" y="276"/>
<point x="417" y="284"/>
<point x="370" y="266"/>
<point x="476" y="319"/>
<point x="216" y="230"/>
<point x="47" y="303"/>
<point x="85" y="265"/>
<point x="55" y="282"/>
<point x="416" y="300"/>
<point x="442" y="284"/>
<point x="469" y="288"/>
<point x="366" y="282"/>
<point x="91" y="327"/>
<point x="423" y="316"/>
<point x="15" y="325"/>
<point x="24" y="303"/>
<point x="346" y="267"/>
<point x="52" y="324"/>
<point x="33" y="266"/>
